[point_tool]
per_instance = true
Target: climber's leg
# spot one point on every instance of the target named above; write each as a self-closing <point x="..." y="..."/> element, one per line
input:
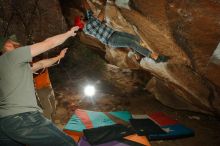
<point x="131" y="36"/>
<point x="120" y="40"/>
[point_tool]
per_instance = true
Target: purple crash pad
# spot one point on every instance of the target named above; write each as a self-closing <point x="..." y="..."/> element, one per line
<point x="84" y="142"/>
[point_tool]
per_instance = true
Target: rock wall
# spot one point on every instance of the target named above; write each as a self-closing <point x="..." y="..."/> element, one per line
<point x="182" y="30"/>
<point x="32" y="20"/>
<point x="187" y="31"/>
<point x="196" y="34"/>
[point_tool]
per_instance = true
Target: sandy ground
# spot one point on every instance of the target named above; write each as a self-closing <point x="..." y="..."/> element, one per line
<point x="207" y="128"/>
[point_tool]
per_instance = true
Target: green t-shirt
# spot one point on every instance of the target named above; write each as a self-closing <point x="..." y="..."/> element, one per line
<point x="17" y="94"/>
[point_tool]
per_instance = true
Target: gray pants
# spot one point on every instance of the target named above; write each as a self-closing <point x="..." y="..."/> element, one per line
<point x="126" y="40"/>
<point x="31" y="129"/>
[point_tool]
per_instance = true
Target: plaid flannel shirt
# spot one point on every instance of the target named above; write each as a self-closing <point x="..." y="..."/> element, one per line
<point x="97" y="29"/>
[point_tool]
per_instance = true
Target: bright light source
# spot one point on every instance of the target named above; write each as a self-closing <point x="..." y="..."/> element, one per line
<point x="89" y="90"/>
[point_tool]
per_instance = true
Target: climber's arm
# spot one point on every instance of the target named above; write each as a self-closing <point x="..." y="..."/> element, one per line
<point x="101" y="15"/>
<point x="89" y="12"/>
<point x="86" y="5"/>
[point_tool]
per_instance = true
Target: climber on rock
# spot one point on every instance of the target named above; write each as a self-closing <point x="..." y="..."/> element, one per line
<point x="95" y="27"/>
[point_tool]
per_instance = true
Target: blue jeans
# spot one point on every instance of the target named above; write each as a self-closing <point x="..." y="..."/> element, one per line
<point x="31" y="129"/>
<point x="126" y="40"/>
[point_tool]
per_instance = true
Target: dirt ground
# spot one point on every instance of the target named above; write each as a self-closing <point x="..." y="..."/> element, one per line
<point x="207" y="128"/>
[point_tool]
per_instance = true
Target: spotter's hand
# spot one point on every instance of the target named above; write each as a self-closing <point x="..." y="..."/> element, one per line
<point x="73" y="30"/>
<point x="62" y="53"/>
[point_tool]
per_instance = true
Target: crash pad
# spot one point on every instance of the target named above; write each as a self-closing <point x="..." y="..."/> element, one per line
<point x="139" y="139"/>
<point x="162" y="119"/>
<point x="74" y="135"/>
<point x="85" y="119"/>
<point x="123" y="142"/>
<point x="107" y="133"/>
<point x="173" y="132"/>
<point x="146" y="127"/>
<point x="172" y="127"/>
<point x="75" y="126"/>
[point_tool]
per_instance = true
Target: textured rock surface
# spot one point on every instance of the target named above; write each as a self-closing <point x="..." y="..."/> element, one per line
<point x="187" y="31"/>
<point x="181" y="30"/>
<point x="122" y="78"/>
<point x="32" y="20"/>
